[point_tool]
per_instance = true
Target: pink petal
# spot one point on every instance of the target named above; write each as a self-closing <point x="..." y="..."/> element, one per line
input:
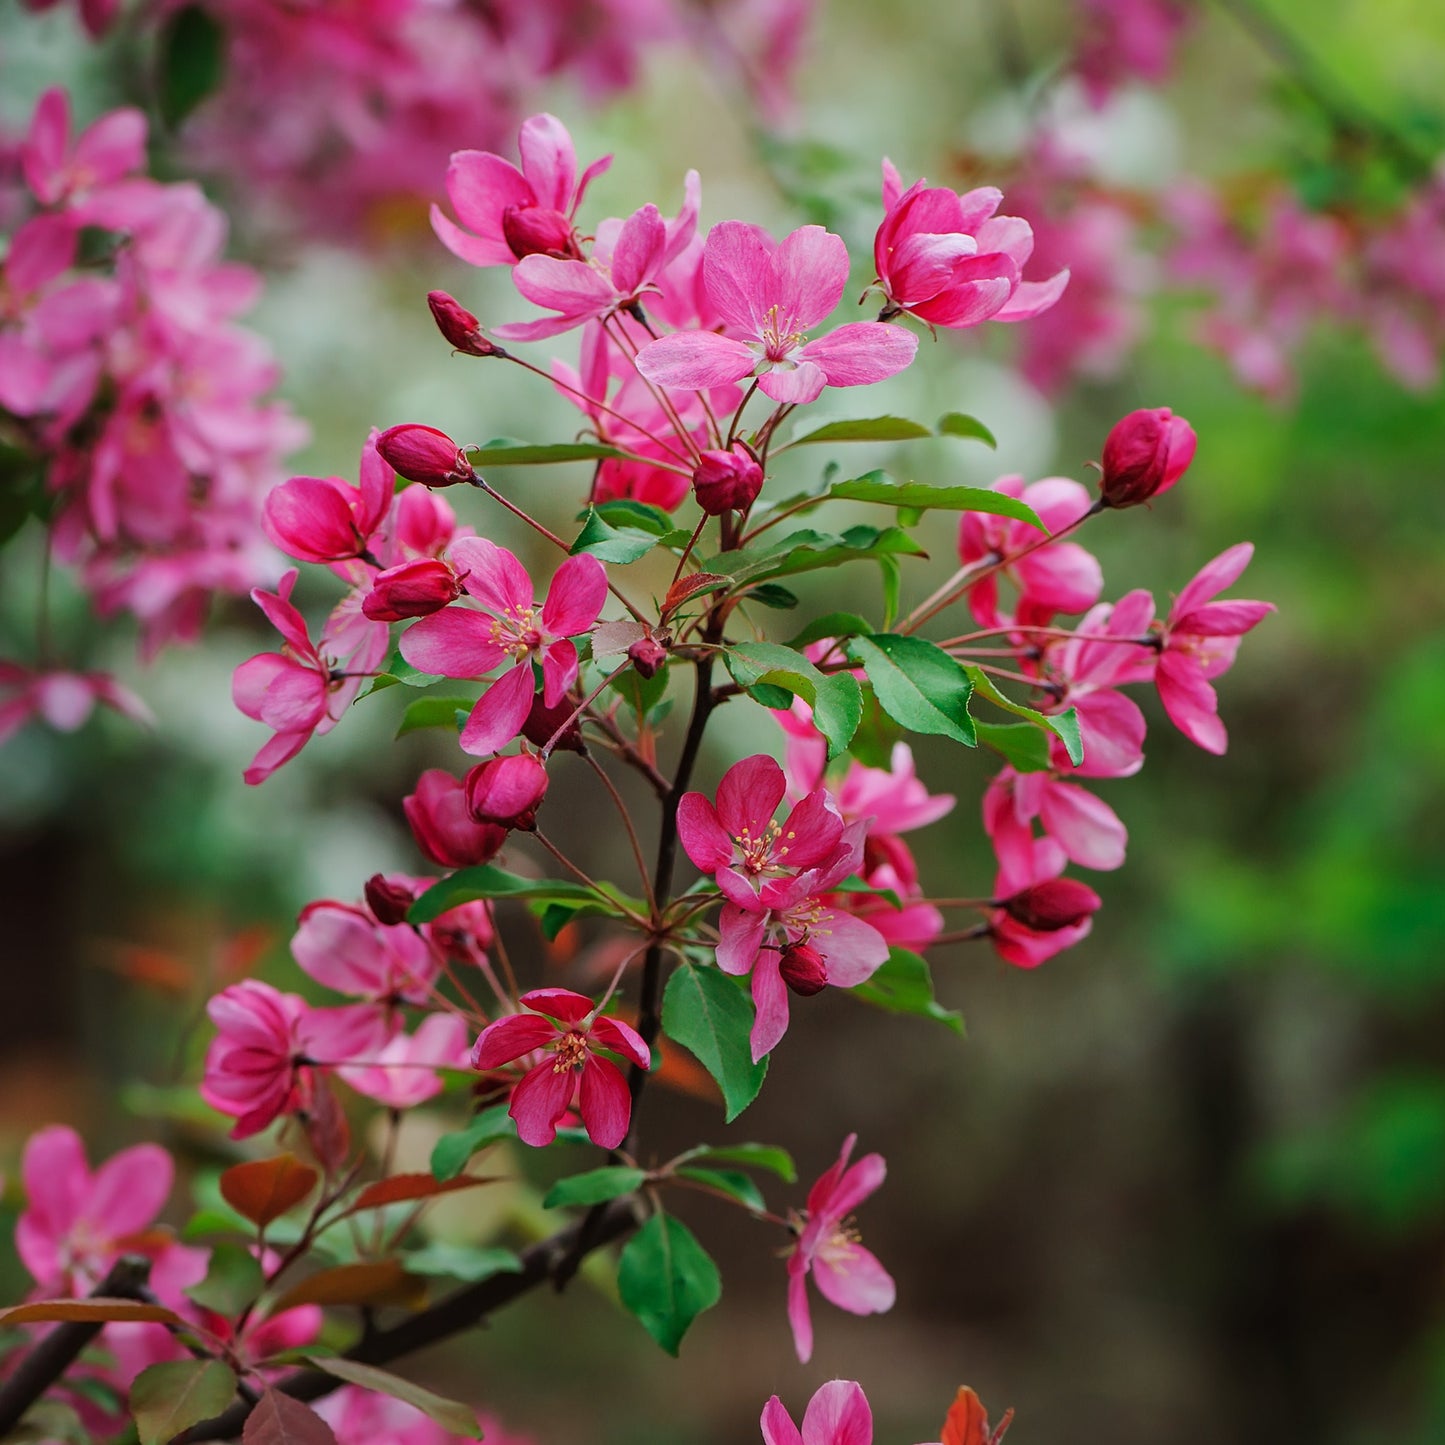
<point x="500" y="711"/>
<point x="559" y="672"/>
<point x="1112" y="728"/>
<point x="1033" y="298"/>
<point x="853" y="1280"/>
<point x="539" y="1101"/>
<point x="838" y="1414"/>
<point x="56" y="1178"/>
<point x="861" y="353"/>
<point x="565" y="1004"/>
<point x="474" y="250"/>
<point x="695" y="360"/>
<point x="799" y="1316"/>
<point x="1223" y="619"/>
<point x="622" y="1039"/>
<point x="338" y="946"/>
<point x="481" y="186"/>
<point x="572" y="287"/>
<point x="606" y="1104"/>
<point x="112" y="147"/>
<point x="455" y="642"/>
<point x="794" y="384"/>
<point x="741" y="936"/>
<point x="852" y="950"/>
<point x="853" y="1187"/>
<point x="1061" y="577"/>
<point x="704" y="839"/>
<point x="549" y="161"/>
<point x="922" y="265"/>
<point x="1213" y="578"/>
<point x="770" y="998"/>
<point x="1192" y="705"/>
<point x="575" y="597"/>
<point x="809" y="270"/>
<point x="638" y="254"/>
<point x="1085" y="827"/>
<point x="777" y="1425"/>
<point x="130" y="1190"/>
<point x="811" y="833"/>
<point x="494" y="576"/>
<point x="273" y="754"/>
<point x="736" y="270"/>
<point x="749" y="795"/>
<point x="511" y="1037"/>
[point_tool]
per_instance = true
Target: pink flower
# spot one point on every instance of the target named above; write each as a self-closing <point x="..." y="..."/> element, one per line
<point x="838" y="1414"/>
<point x="1085" y="827"/>
<point x="1200" y="640"/>
<point x="1145" y="454"/>
<point x="1125" y="39"/>
<point x="770" y="295"/>
<point x="403" y="1072"/>
<point x="443" y="827"/>
<point x="423" y="454"/>
<point x="507" y="791"/>
<point x="846" y="1274"/>
<point x="326" y="519"/>
<point x="563" y="1024"/>
<point x="110" y="149"/>
<point x="411" y="589"/>
<point x="1025" y="937"/>
<point x="64" y="700"/>
<point x="950" y="261"/>
<point x="461" y="642"/>
<point x="727" y="481"/>
<point x="514" y="213"/>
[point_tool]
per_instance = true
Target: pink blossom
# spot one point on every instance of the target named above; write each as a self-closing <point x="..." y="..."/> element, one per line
<point x="403" y="1071"/>
<point x="64" y="700"/>
<point x="891" y="800"/>
<point x="105" y="153"/>
<point x="443" y="826"/>
<point x="1013" y="937"/>
<point x="364" y="1417"/>
<point x="1199" y="641"/>
<point x="462" y="642"/>
<point x="326" y="519"/>
<point x="770" y="295"/>
<point x="411" y="589"/>
<point x="507" y="791"/>
<point x="838" y="1414"/>
<point x="846" y="1274"/>
<point x="1144" y="455"/>
<point x="951" y="261"/>
<point x="512" y="213"/>
<point x="564" y="1026"/>
<point x="1085" y="828"/>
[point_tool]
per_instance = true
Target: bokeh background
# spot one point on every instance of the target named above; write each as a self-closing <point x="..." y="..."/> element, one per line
<point x="1185" y="1183"/>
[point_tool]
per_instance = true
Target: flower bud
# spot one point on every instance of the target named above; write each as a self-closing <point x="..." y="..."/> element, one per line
<point x="459" y="326"/>
<point x="726" y="481"/>
<point x="507" y="791"/>
<point x="537" y="231"/>
<point x="647" y="655"/>
<point x="1052" y="905"/>
<point x="1145" y="454"/>
<point x="442" y="827"/>
<point x="413" y="589"/>
<point x="423" y="454"/>
<point x="803" y="969"/>
<point x="542" y="724"/>
<point x="313" y="519"/>
<point x="389" y="898"/>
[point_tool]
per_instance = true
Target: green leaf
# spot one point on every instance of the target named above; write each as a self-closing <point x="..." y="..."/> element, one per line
<point x="960" y="424"/>
<point x="596" y="1186"/>
<point x="920" y="496"/>
<point x="1025" y="747"/>
<point x="641" y="694"/>
<point x="917" y="684"/>
<point x="398" y="670"/>
<point x="433" y="712"/>
<point x="667" y="1279"/>
<point x="167" y="1399"/>
<point x="505" y="452"/>
<point x="612" y="544"/>
<point x="625" y="512"/>
<point x="464" y="1262"/>
<point x="873" y="429"/>
<point x="834" y="624"/>
<point x="452" y="1152"/>
<point x="836" y="699"/>
<point x="904" y="985"/>
<point x="1064" y="725"/>
<point x="451" y="1415"/>
<point x="808" y="551"/>
<point x="754" y="1156"/>
<point x="467" y="885"/>
<point x="771" y="594"/>
<point x="234" y="1279"/>
<point x="192" y="63"/>
<point x="711" y="1016"/>
<point x="737" y="1185"/>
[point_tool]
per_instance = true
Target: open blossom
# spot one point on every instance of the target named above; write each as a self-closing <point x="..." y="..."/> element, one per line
<point x="771" y="294"/>
<point x="402" y="1072"/>
<point x="1025" y="935"/>
<point x="838" y="1414"/>
<point x="828" y="1248"/>
<point x="326" y="519"/>
<point x="1200" y="640"/>
<point x="1085" y="827"/>
<point x="567" y="1031"/>
<point x="951" y="261"/>
<point x="64" y="700"/>
<point x="462" y="642"/>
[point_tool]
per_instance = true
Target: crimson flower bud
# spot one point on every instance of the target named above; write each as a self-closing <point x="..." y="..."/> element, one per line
<point x="1052" y="905"/>
<point x="423" y="454"/>
<point x="542" y="724"/>
<point x="1145" y="454"/>
<point x="507" y="791"/>
<point x="726" y="481"/>
<point x="412" y="589"/>
<point x="647" y="655"/>
<point x="442" y="827"/>
<point x="803" y="969"/>
<point x="389" y="898"/>
<point x="459" y="326"/>
<point x="537" y="231"/>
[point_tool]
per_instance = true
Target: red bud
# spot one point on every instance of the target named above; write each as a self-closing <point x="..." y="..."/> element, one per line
<point x="726" y="481"/>
<point x="1055" y="904"/>
<point x="423" y="454"/>
<point x="647" y="655"/>
<point x="1145" y="454"/>
<point x="459" y="326"/>
<point x="437" y="813"/>
<point x="803" y="969"/>
<point x="507" y="791"/>
<point x="389" y="898"/>
<point x="542" y="722"/>
<point x="413" y="589"/>
<point x="537" y="231"/>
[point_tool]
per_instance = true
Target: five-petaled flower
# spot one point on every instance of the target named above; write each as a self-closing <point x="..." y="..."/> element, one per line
<point x="567" y="1029"/>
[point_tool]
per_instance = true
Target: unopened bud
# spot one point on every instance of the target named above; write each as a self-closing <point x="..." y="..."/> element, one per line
<point x="459" y="326"/>
<point x="389" y="898"/>
<point x="1052" y="905"/>
<point x="423" y="454"/>
<point x="442" y="827"/>
<point x="726" y="481"/>
<point x="413" y="589"/>
<point x="543" y="722"/>
<point x="537" y="231"/>
<point x="507" y="791"/>
<point x="803" y="969"/>
<point x="647" y="655"/>
<point x="1145" y="454"/>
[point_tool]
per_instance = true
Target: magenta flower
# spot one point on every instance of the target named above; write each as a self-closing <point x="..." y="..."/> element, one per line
<point x="443" y="827"/>
<point x="563" y="1025"/>
<point x="514" y="213"/>
<point x="326" y="519"/>
<point x="950" y="261"/>
<point x="402" y="1072"/>
<point x="1145" y="453"/>
<point x="462" y="642"/>
<point x="828" y="1248"/>
<point x="838" y="1414"/>
<point x="1027" y="937"/>
<point x="65" y="700"/>
<point x="1085" y="827"/>
<point x="770" y="295"/>
<point x="1200" y="640"/>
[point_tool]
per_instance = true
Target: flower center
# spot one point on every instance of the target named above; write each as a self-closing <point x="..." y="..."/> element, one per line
<point x="778" y="339"/>
<point x="571" y="1051"/>
<point x="517" y="631"/>
<point x="837" y="1249"/>
<point x="763" y="852"/>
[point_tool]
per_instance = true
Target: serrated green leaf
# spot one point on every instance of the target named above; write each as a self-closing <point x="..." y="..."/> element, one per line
<point x="1025" y="747"/>
<point x="234" y="1279"/>
<point x="920" y="496"/>
<point x="667" y="1279"/>
<point x="917" y="684"/>
<point x="451" y="1415"/>
<point x="730" y="1182"/>
<point x="596" y="1186"/>
<point x="505" y="452"/>
<point x="771" y="1157"/>
<point x="708" y="1014"/>
<point x="619" y="545"/>
<point x="168" y="1399"/>
<point x="960" y="424"/>
<point x="433" y="712"/>
<point x="1064" y="725"/>
<point x="870" y="429"/>
<point x="836" y="699"/>
<point x="452" y="1152"/>
<point x="807" y="550"/>
<point x="904" y="985"/>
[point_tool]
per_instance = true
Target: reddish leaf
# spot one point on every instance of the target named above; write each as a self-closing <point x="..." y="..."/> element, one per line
<point x="401" y="1188"/>
<point x="279" y="1420"/>
<point x="376" y="1282"/>
<point x="89" y="1311"/>
<point x="686" y="587"/>
<point x="265" y="1189"/>
<point x="967" y="1422"/>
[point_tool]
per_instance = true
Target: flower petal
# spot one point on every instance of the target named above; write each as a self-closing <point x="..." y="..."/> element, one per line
<point x="838" y="1414"/>
<point x="777" y="1425"/>
<point x="575" y="597"/>
<point x="703" y="837"/>
<point x="492" y="575"/>
<point x="853" y="1280"/>
<point x="539" y="1101"/>
<point x="695" y="360"/>
<point x="741" y="937"/>
<point x="770" y="997"/>
<point x="861" y="353"/>
<point x="455" y="642"/>
<point x="749" y="795"/>
<point x="500" y="712"/>
<point x="606" y="1104"/>
<point x="809" y="270"/>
